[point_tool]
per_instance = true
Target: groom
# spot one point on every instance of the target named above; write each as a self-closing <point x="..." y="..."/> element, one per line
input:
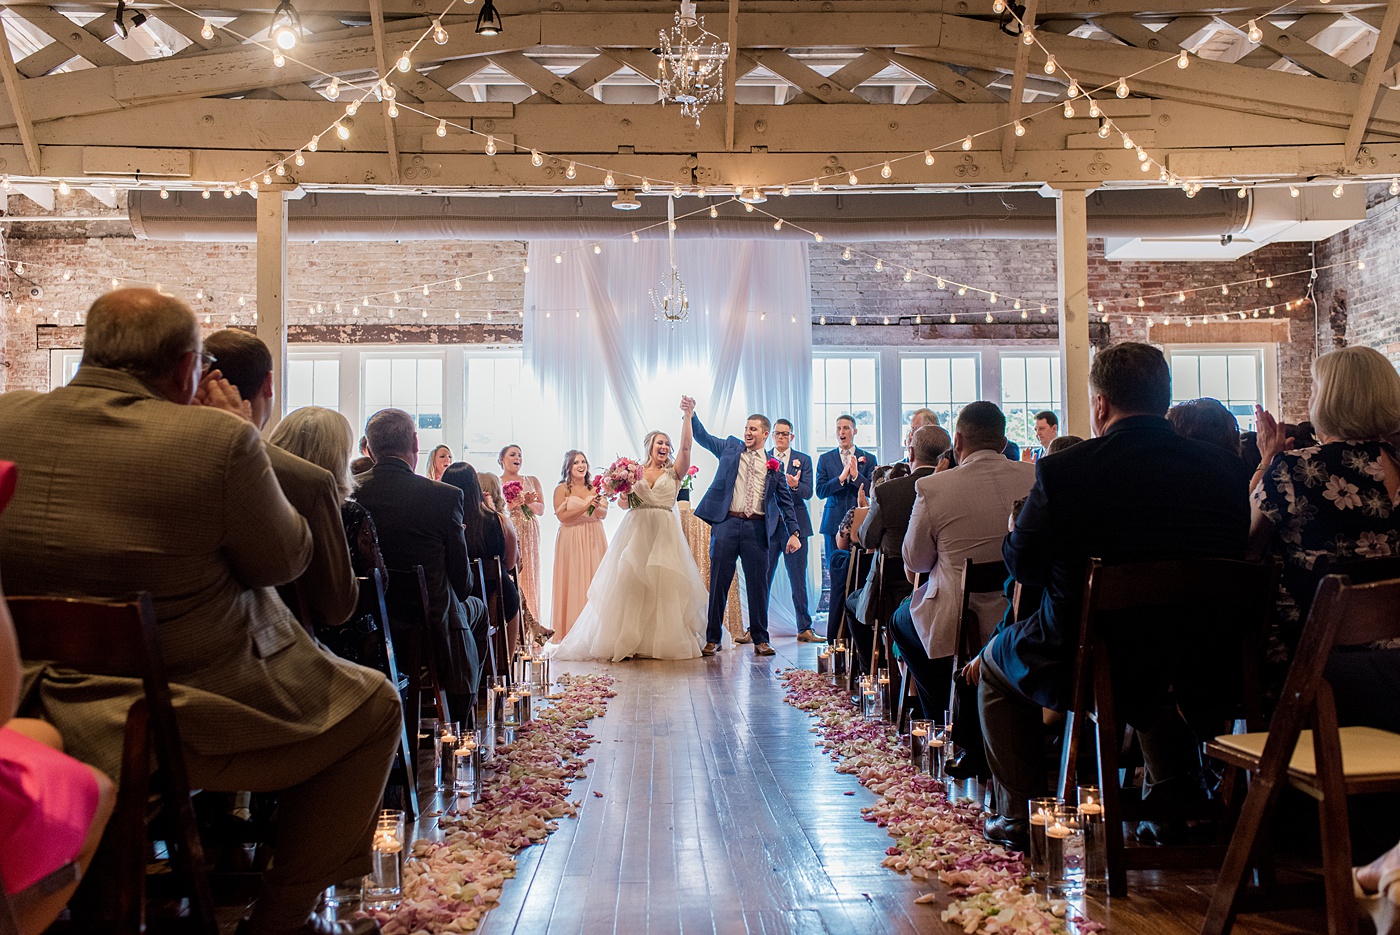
<point x="747" y="505"/>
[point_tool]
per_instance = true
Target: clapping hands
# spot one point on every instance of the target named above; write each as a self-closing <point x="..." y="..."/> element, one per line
<point x="1272" y="438"/>
<point x="217" y="393"/>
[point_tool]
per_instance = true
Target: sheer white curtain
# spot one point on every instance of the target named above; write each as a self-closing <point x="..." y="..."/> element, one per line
<point x="611" y="372"/>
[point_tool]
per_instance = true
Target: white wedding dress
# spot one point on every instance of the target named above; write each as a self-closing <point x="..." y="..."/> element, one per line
<point x="646" y="598"/>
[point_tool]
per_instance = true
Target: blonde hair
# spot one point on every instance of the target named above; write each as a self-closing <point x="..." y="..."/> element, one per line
<point x="1356" y="394"/>
<point x="321" y="436"/>
<point x="492" y="485"/>
<point x="647" y="442"/>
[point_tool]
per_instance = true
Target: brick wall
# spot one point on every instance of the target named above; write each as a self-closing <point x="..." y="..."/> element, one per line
<point x="74" y="263"/>
<point x="1357" y="305"/>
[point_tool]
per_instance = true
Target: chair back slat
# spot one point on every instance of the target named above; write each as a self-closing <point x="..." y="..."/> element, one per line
<point x="984" y="577"/>
<point x="1372" y="613"/>
<point x="1192" y="582"/>
<point x="99" y="638"/>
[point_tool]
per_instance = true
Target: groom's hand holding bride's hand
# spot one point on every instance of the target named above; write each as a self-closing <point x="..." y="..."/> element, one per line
<point x="793" y="544"/>
<point x="687" y="405"/>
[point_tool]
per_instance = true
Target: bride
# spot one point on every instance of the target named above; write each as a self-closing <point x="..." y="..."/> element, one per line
<point x="646" y="598"/>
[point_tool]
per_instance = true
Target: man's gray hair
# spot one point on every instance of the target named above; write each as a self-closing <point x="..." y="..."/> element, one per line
<point x="140" y="332"/>
<point x="390" y="432"/>
<point x="929" y="443"/>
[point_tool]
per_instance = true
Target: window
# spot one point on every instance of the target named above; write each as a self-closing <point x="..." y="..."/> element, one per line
<point x="313" y="380"/>
<point x="845" y="386"/>
<point x="1030" y="383"/>
<point x="62" y="366"/>
<point x="944" y="384"/>
<point x="493" y="406"/>
<point x="411" y="382"/>
<point x="1235" y="376"/>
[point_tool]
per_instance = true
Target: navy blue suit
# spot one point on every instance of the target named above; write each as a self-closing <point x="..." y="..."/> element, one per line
<point x="736" y="539"/>
<point x="840" y="497"/>
<point x="799" y="466"/>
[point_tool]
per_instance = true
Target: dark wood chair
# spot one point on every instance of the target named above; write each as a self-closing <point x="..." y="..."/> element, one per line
<point x="908" y="692"/>
<point x="409" y="613"/>
<point x="1326" y="762"/>
<point x="371" y="604"/>
<point x="1213" y="589"/>
<point x="491" y="643"/>
<point x="856" y="572"/>
<point x="13" y="906"/>
<point x="119" y="639"/>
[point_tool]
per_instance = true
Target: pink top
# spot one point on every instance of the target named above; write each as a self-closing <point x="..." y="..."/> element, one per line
<point x="47" y="799"/>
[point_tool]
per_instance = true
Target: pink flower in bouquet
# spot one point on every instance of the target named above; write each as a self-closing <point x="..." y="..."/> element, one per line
<point x="512" y="491"/>
<point x="619" y="479"/>
<point x="688" y="482"/>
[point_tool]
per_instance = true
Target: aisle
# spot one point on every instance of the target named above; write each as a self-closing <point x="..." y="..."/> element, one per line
<point x="718" y="814"/>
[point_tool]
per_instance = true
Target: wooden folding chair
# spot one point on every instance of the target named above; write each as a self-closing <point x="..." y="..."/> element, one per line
<point x="1326" y="762"/>
<point x="119" y="639"/>
<point x="407" y="596"/>
<point x="491" y="645"/>
<point x="908" y="692"/>
<point x="1217" y="589"/>
<point x="11" y="907"/>
<point x="856" y="572"/>
<point x="371" y="604"/>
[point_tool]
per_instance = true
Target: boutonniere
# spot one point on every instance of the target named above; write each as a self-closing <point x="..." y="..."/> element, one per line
<point x="796" y="463"/>
<point x="860" y="460"/>
<point x="774" y="464"/>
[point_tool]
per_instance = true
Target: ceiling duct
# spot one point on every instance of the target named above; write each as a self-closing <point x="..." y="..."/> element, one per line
<point x="1129" y="213"/>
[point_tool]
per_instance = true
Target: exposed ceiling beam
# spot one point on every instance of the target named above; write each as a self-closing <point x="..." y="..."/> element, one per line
<point x="1371" y="84"/>
<point x="55" y="54"/>
<point x="1018" y="91"/>
<point x="731" y="73"/>
<point x="1296" y="49"/>
<point x="852" y="75"/>
<point x="948" y="82"/>
<point x="585" y="76"/>
<point x="808" y="79"/>
<point x="540" y="79"/>
<point x="87" y="43"/>
<point x="15" y="92"/>
<point x="381" y="55"/>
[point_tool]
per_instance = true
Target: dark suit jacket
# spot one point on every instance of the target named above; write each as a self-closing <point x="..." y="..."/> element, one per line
<point x="420" y="523"/>
<point x="801" y="467"/>
<point x="328" y="585"/>
<point x="841" y="497"/>
<point x="1138" y="493"/>
<point x="891" y="506"/>
<point x="778" y="513"/>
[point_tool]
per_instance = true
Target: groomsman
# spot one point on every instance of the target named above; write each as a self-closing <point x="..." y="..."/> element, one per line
<point x="841" y="473"/>
<point x="797" y="468"/>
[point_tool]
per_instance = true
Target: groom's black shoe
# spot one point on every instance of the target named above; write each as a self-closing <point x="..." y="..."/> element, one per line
<point x="710" y="649"/>
<point x="810" y="636"/>
<point x="762" y="649"/>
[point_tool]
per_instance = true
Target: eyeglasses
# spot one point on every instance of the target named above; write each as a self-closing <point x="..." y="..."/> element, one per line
<point x="782" y="434"/>
<point x="206" y="361"/>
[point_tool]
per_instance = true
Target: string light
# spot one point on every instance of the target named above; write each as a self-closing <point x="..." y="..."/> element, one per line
<point x="207" y="32"/>
<point x="714" y="212"/>
<point x="571" y="172"/>
<point x="846" y="254"/>
<point x="608" y="179"/>
<point x="1020" y="128"/>
<point x="439" y="33"/>
<point x="393" y="109"/>
<point x="490" y="145"/>
<point x="332" y="91"/>
<point x="405" y="64"/>
<point x="1050" y="64"/>
<point x="1293" y="191"/>
<point x="908" y="275"/>
<point x="1254" y="32"/>
<point x="164" y="194"/>
<point x="1337" y="192"/>
<point x="441" y="128"/>
<point x="278" y="58"/>
<point x="1122" y="90"/>
<point x="852" y="178"/>
<point x="597" y="248"/>
<point x="1069" y="110"/>
<point x="341" y="130"/>
<point x="786" y="190"/>
<point x="1182" y="60"/>
<point x="928" y="157"/>
<point x="63" y="187"/>
<point x="967" y="142"/>
<point x="879" y="265"/>
<point x="204" y="194"/>
<point x="886" y="171"/>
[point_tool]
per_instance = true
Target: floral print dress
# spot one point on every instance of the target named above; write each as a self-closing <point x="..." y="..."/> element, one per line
<point x="1326" y="502"/>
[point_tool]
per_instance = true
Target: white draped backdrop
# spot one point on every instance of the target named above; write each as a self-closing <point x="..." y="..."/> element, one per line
<point x="608" y="372"/>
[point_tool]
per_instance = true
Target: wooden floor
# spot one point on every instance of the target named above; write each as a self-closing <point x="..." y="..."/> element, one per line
<point x="718" y="814"/>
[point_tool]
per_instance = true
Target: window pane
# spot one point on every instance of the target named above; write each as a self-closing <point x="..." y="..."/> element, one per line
<point x="911" y="379"/>
<point x="300" y="383"/>
<point x="846" y="385"/>
<point x="965" y="389"/>
<point x="1243" y="376"/>
<point x="1186" y="377"/>
<point x="1013" y="378"/>
<point x="1029" y="384"/>
<point x="818" y="382"/>
<point x="838" y="380"/>
<point x="1038" y="383"/>
<point x="376" y="388"/>
<point x="1213" y="379"/>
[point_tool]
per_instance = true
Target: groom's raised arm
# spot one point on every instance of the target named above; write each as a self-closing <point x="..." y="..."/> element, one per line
<point x="711" y="444"/>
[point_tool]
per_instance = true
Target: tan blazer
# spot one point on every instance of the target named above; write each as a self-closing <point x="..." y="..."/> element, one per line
<point x="121" y="491"/>
<point x="328" y="584"/>
<point x="959" y="514"/>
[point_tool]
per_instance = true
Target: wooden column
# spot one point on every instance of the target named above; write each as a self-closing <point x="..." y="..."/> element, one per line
<point x="272" y="291"/>
<point x="1072" y="272"/>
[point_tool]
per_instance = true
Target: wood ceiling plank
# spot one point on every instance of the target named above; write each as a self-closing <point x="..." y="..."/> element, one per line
<point x="553" y="87"/>
<point x="1371" y="84"/>
<point x="585" y="76"/>
<point x="800" y="75"/>
<point x="80" y="41"/>
<point x="14" y="90"/>
<point x="381" y="55"/>
<point x="1017" y="95"/>
<point x="949" y="82"/>
<point x="1296" y="49"/>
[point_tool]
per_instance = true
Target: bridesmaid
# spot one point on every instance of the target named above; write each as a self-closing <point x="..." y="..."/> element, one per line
<point x="581" y="542"/>
<point x="524" y="510"/>
<point x="439" y="461"/>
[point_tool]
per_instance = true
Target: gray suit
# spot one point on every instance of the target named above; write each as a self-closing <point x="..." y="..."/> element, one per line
<point x="123" y="491"/>
<point x="328" y="584"/>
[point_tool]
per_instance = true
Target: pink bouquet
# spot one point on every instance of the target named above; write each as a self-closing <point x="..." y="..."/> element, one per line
<point x="618" y="480"/>
<point x="514" y="492"/>
<point x="688" y="481"/>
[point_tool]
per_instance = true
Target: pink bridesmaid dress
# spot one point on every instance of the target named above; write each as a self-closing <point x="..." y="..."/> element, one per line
<point x="578" y="551"/>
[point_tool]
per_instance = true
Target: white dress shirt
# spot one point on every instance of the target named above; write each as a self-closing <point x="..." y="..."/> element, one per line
<point x="749" y="485"/>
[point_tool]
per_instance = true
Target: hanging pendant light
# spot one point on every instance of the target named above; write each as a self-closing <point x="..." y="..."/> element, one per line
<point x="488" y="21"/>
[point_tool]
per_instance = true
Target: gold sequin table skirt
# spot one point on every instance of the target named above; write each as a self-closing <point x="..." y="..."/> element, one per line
<point x="697" y="534"/>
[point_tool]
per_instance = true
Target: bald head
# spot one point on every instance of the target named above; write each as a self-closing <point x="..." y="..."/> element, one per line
<point x="151" y="336"/>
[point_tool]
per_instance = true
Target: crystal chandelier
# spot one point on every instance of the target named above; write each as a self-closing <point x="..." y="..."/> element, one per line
<point x="692" y="63"/>
<point x="668" y="298"/>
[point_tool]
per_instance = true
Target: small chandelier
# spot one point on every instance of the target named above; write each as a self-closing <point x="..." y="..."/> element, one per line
<point x="668" y="297"/>
<point x="692" y="63"/>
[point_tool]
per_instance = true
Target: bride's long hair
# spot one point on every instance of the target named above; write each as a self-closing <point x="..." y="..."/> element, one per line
<point x="650" y="440"/>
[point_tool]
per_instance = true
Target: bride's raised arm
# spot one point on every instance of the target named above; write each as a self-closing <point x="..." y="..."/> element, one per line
<point x="687" y="439"/>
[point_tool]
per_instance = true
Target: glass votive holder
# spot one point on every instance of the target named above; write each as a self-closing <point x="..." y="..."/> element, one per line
<point x="1064" y="852"/>
<point x="465" y="758"/>
<point x="824" y="662"/>
<point x="448" y="742"/>
<point x="935" y="758"/>
<point x="1041" y="811"/>
<point x="869" y="705"/>
<point x="511" y="718"/>
<point x="520" y="669"/>
<point x="539" y="669"/>
<point x="486" y="744"/>
<point x="383" y="886"/>
<point x="496" y="710"/>
<point x="840" y="659"/>
<point x="527" y="704"/>
<point x="920" y="732"/>
<point x="1095" y="841"/>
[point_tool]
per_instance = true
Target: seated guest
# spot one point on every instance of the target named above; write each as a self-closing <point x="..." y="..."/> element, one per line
<point x="420" y="523"/>
<point x="1011" y="451"/>
<point x="917" y="420"/>
<point x="1336" y="499"/>
<point x="1206" y="420"/>
<point x="1061" y="443"/>
<point x="1249" y="450"/>
<point x="489" y="535"/>
<point x="364" y="462"/>
<point x="495" y="498"/>
<point x="327" y="589"/>
<point x="323" y="437"/>
<point x="1138" y="492"/>
<point x="957" y="515"/>
<point x="260" y="706"/>
<point x="54" y="806"/>
<point x="1047" y="429"/>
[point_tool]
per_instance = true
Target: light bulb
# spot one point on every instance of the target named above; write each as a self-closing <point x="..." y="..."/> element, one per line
<point x="853" y="321"/>
<point x="821" y="320"/>
<point x="635" y="238"/>
<point x="313" y="144"/>
<point x="1181" y="296"/>
<point x="1395" y="186"/>
<point x="391" y="313"/>
<point x="1254" y="32"/>
<point x="928" y="157"/>
<point x="442" y="128"/>
<point x="817" y="236"/>
<point x="1122" y="90"/>
<point x="1050" y="65"/>
<point x="886" y="171"/>
<point x="63" y="188"/>
<point x="281" y="168"/>
<point x="490" y="145"/>
<point x="748" y="207"/>
<point x="1241" y="193"/>
<point x="646" y="186"/>
<point x="164" y="194"/>
<point x="1224" y="289"/>
<point x="989" y="318"/>
<point x="816" y="186"/>
<point x="846" y="254"/>
<point x="1069" y="109"/>
<point x="786" y="190"/>
<point x="393" y="109"/>
<point x="953" y="318"/>
<point x="962" y="290"/>
<point x="425" y="313"/>
<point x="1141" y="154"/>
<point x="439" y="34"/>
<point x="1182" y="60"/>
<point x="405" y="63"/>
<point x="204" y="194"/>
<point x="967" y="142"/>
<point x="397" y="298"/>
<point x="1027" y="36"/>
<point x="1103" y="129"/>
<point x="558" y="258"/>
<point x="714" y="212"/>
<point x="228" y="193"/>
<point x="778" y="224"/>
<point x="342" y="131"/>
<point x="1093" y="107"/>
<point x="425" y="288"/>
<point x="278" y="58"/>
<point x="490" y="277"/>
<point x="267" y="178"/>
<point x="1020" y="128"/>
<point x="908" y="275"/>
<point x="1360" y="264"/>
<point x="208" y="31"/>
<point x="352" y="108"/>
<point x="887" y="319"/>
<point x="1017" y="304"/>
<point x="285" y="37"/>
<point x="333" y="89"/>
<point x="1337" y="192"/>
<point x="1044" y="310"/>
<point x="571" y="172"/>
<point x="879" y="265"/>
<point x="5" y="182"/>
<point x="597" y="248"/>
<point x="457" y="283"/>
<point x="998" y="6"/>
<point x="1099" y="306"/>
<point x="676" y="190"/>
<point x="1293" y="190"/>
<point x="608" y="179"/>
<point x="1073" y="88"/>
<point x="851" y="179"/>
